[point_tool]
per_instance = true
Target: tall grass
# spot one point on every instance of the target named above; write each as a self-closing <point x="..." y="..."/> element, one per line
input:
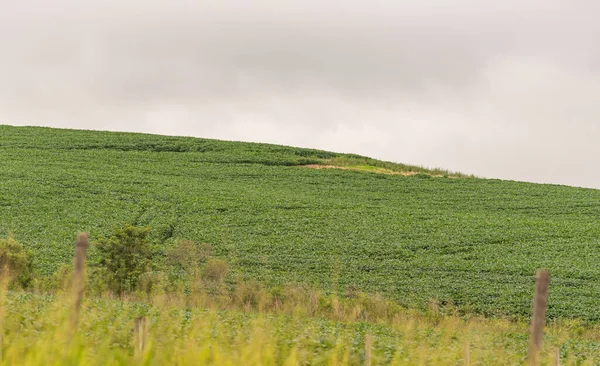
<point x="204" y="320"/>
<point x="250" y="327"/>
<point x="368" y="164"/>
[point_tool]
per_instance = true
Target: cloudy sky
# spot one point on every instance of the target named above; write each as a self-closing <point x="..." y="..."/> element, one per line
<point x="506" y="89"/>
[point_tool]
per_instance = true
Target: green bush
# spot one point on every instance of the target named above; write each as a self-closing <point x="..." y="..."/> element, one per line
<point x="15" y="262"/>
<point x="60" y="280"/>
<point x="152" y="283"/>
<point x="124" y="257"/>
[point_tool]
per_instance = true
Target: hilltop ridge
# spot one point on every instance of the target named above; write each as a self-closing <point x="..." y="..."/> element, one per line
<point x="214" y="150"/>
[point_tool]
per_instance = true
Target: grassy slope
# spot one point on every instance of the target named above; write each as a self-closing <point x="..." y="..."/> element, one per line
<point x="473" y="242"/>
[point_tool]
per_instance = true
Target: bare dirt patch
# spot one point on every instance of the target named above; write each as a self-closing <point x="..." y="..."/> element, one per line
<point x="358" y="169"/>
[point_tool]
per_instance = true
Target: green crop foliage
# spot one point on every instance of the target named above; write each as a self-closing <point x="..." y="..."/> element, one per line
<point x="472" y="243"/>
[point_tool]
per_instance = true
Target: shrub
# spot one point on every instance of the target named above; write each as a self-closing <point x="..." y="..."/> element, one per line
<point x="215" y="270"/>
<point x="124" y="257"/>
<point x="250" y="295"/>
<point x="15" y="262"/>
<point x="61" y="279"/>
<point x="152" y="283"/>
<point x="188" y="255"/>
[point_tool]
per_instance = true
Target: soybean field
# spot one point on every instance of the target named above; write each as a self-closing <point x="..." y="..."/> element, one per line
<point x="470" y="242"/>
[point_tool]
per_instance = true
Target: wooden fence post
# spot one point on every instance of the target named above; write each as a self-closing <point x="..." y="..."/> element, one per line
<point x="467" y="354"/>
<point x="140" y="335"/>
<point x="538" y="318"/>
<point x="78" y="276"/>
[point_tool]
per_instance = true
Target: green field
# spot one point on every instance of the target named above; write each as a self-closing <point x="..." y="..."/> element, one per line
<point x="474" y="243"/>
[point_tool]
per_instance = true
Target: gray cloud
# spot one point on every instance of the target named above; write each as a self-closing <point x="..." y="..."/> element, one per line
<point x="501" y="89"/>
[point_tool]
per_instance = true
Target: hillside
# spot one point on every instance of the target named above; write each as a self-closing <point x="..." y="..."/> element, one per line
<point x="471" y="242"/>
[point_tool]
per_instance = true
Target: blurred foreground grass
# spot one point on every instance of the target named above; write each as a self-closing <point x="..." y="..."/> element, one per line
<point x="36" y="331"/>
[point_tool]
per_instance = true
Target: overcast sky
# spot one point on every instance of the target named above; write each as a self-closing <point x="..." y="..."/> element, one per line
<point x="505" y="89"/>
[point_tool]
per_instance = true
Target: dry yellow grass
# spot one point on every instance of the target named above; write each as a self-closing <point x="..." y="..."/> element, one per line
<point x="205" y="331"/>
